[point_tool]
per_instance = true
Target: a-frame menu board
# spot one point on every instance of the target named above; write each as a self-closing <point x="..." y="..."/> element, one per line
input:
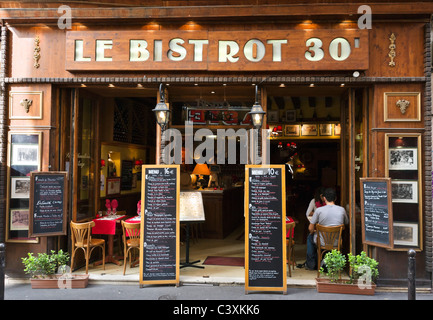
<point x="265" y="228"/>
<point x="159" y="233"/>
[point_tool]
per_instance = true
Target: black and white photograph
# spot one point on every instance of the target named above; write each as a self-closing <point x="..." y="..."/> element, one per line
<point x="25" y="154"/>
<point x="406" y="234"/>
<point x="325" y="129"/>
<point x="20" y="187"/>
<point x="404" y="191"/>
<point x="403" y="159"/>
<point x="309" y="130"/>
<point x="291" y="130"/>
<point x="19" y="219"/>
<point x="290" y="115"/>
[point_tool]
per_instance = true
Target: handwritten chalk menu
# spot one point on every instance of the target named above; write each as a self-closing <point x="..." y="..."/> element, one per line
<point x="376" y="211"/>
<point x="48" y="203"/>
<point x="265" y="228"/>
<point x="159" y="240"/>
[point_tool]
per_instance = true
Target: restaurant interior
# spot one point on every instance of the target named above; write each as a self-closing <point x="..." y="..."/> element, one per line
<point x="305" y="135"/>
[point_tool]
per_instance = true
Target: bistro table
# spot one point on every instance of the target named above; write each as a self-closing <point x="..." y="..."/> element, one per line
<point x="107" y="225"/>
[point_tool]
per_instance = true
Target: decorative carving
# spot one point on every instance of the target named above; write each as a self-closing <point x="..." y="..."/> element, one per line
<point x="26" y="103"/>
<point x="391" y="47"/>
<point x="402" y="104"/>
<point x="36" y="53"/>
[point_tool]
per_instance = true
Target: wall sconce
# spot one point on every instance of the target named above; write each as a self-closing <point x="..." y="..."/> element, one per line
<point x="162" y="113"/>
<point x="257" y="113"/>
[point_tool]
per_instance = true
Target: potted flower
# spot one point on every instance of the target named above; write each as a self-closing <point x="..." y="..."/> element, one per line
<point x="50" y="271"/>
<point x="363" y="271"/>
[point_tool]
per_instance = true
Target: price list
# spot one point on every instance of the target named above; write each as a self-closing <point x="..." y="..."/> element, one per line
<point x="266" y="265"/>
<point x="48" y="203"/>
<point x="160" y="224"/>
<point x="376" y="212"/>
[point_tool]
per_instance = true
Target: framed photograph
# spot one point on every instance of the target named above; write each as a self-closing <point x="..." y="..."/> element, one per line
<point x="20" y="187"/>
<point x="403" y="159"/>
<point x="309" y="130"/>
<point x="337" y="129"/>
<point x="325" y="129"/>
<point x="272" y="116"/>
<point x="19" y="219"/>
<point x="291" y="130"/>
<point x="113" y="186"/>
<point x="291" y="115"/>
<point x="25" y="155"/>
<point x="404" y="191"/>
<point x="406" y="234"/>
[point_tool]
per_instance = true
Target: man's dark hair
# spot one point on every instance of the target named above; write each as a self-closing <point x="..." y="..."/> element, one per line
<point x="330" y="194"/>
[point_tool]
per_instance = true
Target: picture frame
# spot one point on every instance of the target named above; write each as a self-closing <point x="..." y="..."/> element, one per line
<point x="402" y="106"/>
<point x="25" y="155"/>
<point x="113" y="186"/>
<point x="291" y="130"/>
<point x="309" y="130"/>
<point x="406" y="234"/>
<point x="272" y="116"/>
<point x="404" y="191"/>
<point x="290" y="115"/>
<point x="402" y="159"/>
<point x="337" y="129"/>
<point x="325" y="129"/>
<point x="19" y="219"/>
<point x="20" y="187"/>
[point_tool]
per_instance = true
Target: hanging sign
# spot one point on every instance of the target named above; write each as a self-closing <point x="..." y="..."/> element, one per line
<point x="159" y="233"/>
<point x="376" y="211"/>
<point x="265" y="228"/>
<point x="48" y="203"/>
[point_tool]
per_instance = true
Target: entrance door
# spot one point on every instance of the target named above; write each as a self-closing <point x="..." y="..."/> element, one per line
<point x="353" y="160"/>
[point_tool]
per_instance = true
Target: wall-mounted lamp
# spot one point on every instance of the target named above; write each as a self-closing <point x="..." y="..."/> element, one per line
<point x="257" y="113"/>
<point x="162" y="113"/>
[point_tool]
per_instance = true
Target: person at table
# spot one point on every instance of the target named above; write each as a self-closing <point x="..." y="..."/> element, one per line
<point x="328" y="215"/>
<point x="316" y="202"/>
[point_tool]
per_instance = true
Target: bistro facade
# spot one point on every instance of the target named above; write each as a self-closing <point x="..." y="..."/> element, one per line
<point x="347" y="95"/>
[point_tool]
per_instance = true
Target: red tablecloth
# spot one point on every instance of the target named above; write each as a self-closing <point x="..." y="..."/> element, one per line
<point x="106" y="224"/>
<point x="136" y="219"/>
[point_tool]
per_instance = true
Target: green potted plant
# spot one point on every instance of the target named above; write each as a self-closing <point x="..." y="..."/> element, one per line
<point x="359" y="282"/>
<point x="50" y="271"/>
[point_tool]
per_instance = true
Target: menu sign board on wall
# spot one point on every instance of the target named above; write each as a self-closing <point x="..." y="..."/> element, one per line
<point x="159" y="233"/>
<point x="376" y="211"/>
<point x="265" y="228"/>
<point x="48" y="203"/>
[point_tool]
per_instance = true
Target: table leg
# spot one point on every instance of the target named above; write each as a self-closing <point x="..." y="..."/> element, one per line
<point x="187" y="262"/>
<point x="110" y="257"/>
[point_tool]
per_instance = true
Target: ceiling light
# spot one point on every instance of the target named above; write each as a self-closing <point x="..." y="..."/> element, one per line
<point x="111" y="85"/>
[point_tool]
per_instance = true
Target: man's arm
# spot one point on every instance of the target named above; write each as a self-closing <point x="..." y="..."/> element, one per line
<point x="311" y="227"/>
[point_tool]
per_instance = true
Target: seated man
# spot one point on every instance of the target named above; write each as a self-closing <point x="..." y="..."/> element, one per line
<point x="328" y="215"/>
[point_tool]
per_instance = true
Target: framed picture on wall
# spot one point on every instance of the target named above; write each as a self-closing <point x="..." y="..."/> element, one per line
<point x="325" y="129"/>
<point x="291" y="130"/>
<point x="404" y="191"/>
<point x="20" y="187"/>
<point x="403" y="159"/>
<point x="291" y="115"/>
<point x="309" y="130"/>
<point x="273" y="116"/>
<point x="25" y="155"/>
<point x="406" y="234"/>
<point x="113" y="186"/>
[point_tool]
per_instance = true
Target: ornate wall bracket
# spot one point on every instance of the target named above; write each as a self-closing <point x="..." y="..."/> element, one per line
<point x="391" y="47"/>
<point x="26" y="103"/>
<point x="36" y="53"/>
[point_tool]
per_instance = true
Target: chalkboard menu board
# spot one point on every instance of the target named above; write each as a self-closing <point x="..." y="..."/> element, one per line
<point x="376" y="210"/>
<point x="265" y="228"/>
<point x="159" y="240"/>
<point x="48" y="203"/>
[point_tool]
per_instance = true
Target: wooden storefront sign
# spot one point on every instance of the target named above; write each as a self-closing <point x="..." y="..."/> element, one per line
<point x="256" y="50"/>
<point x="48" y="203"/>
<point x="159" y="233"/>
<point x="265" y="228"/>
<point x="376" y="212"/>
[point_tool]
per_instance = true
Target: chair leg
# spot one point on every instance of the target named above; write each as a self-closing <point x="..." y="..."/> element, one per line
<point x="87" y="255"/>
<point x="103" y="256"/>
<point x="124" y="259"/>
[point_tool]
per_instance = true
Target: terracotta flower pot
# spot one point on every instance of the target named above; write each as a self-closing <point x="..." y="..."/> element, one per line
<point x="326" y="286"/>
<point x="78" y="281"/>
